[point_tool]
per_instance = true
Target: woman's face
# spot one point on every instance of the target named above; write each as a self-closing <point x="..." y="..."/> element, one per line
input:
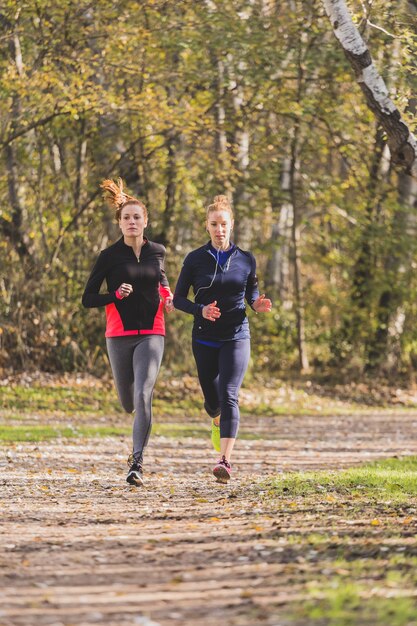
<point x="132" y="220"/>
<point x="219" y="225"/>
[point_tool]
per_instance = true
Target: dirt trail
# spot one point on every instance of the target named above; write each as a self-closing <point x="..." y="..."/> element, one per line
<point x="80" y="547"/>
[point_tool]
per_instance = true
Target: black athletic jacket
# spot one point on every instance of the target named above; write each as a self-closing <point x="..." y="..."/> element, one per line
<point x="142" y="312"/>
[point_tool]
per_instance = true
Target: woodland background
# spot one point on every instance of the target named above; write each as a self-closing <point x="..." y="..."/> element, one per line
<point x="185" y="100"/>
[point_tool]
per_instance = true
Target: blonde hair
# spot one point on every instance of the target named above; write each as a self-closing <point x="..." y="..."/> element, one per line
<point x="118" y="199"/>
<point x="220" y="203"/>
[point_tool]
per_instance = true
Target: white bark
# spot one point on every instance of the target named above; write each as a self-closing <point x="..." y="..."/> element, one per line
<point x="241" y="197"/>
<point x="221" y="113"/>
<point x="402" y="143"/>
<point x="278" y="269"/>
<point x="278" y="275"/>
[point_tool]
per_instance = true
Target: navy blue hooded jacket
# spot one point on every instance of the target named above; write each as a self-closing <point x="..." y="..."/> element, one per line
<point x="229" y="285"/>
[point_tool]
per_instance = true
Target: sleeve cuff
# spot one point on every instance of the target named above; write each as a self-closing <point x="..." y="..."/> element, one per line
<point x="165" y="292"/>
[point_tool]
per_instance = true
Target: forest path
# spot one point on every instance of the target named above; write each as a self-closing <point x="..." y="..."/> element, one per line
<point x="78" y="546"/>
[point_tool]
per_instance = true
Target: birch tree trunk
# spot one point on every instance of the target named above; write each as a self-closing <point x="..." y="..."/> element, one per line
<point x="221" y="138"/>
<point x="402" y="143"/>
<point x="296" y="256"/>
<point x="241" y="198"/>
<point x="172" y="142"/>
<point x="277" y="273"/>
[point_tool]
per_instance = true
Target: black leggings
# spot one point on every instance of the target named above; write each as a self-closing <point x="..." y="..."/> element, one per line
<point x="220" y="372"/>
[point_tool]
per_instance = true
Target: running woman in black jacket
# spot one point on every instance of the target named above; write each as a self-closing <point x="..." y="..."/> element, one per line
<point x="137" y="291"/>
<point x="222" y="277"/>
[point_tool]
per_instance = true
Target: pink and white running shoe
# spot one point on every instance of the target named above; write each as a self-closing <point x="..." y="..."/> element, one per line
<point x="222" y="470"/>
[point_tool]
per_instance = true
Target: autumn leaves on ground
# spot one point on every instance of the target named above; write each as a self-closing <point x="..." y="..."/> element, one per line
<point x="315" y="527"/>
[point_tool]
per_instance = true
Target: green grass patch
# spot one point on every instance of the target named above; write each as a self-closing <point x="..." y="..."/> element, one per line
<point x="36" y="432"/>
<point x="176" y="431"/>
<point x="58" y="399"/>
<point x="81" y="400"/>
<point x="178" y="407"/>
<point x="178" y="402"/>
<point x="362" y="574"/>
<point x="390" y="478"/>
<point x="180" y="430"/>
<point x="343" y="603"/>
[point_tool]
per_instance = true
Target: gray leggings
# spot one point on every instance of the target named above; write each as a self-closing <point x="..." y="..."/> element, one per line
<point x="135" y="361"/>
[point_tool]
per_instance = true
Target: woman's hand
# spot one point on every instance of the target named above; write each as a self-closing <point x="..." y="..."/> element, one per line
<point x="262" y="304"/>
<point x="125" y="290"/>
<point x="211" y="312"/>
<point x="169" y="305"/>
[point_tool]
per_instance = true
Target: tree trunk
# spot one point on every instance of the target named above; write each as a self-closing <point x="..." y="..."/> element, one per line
<point x="277" y="273"/>
<point x="171" y="186"/>
<point x="14" y="230"/>
<point x="172" y="146"/>
<point x="384" y="350"/>
<point x="241" y="198"/>
<point x="221" y="138"/>
<point x="402" y="143"/>
<point x="383" y="346"/>
<point x="363" y="272"/>
<point x="296" y="256"/>
<point x="80" y="165"/>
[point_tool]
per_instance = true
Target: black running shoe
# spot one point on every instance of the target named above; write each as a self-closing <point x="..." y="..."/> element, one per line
<point x="135" y="473"/>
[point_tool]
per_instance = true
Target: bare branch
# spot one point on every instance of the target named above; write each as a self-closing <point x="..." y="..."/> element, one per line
<point x="381" y="29"/>
<point x="23" y="131"/>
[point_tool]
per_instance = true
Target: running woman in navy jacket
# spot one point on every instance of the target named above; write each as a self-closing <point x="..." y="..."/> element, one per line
<point x="222" y="277"/>
<point x="137" y="291"/>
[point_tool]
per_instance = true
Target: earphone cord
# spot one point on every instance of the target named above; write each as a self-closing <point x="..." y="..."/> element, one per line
<point x="214" y="276"/>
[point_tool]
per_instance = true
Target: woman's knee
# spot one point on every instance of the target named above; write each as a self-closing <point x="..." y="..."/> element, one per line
<point x="127" y="405"/>
<point x="230" y="394"/>
<point x="143" y="396"/>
